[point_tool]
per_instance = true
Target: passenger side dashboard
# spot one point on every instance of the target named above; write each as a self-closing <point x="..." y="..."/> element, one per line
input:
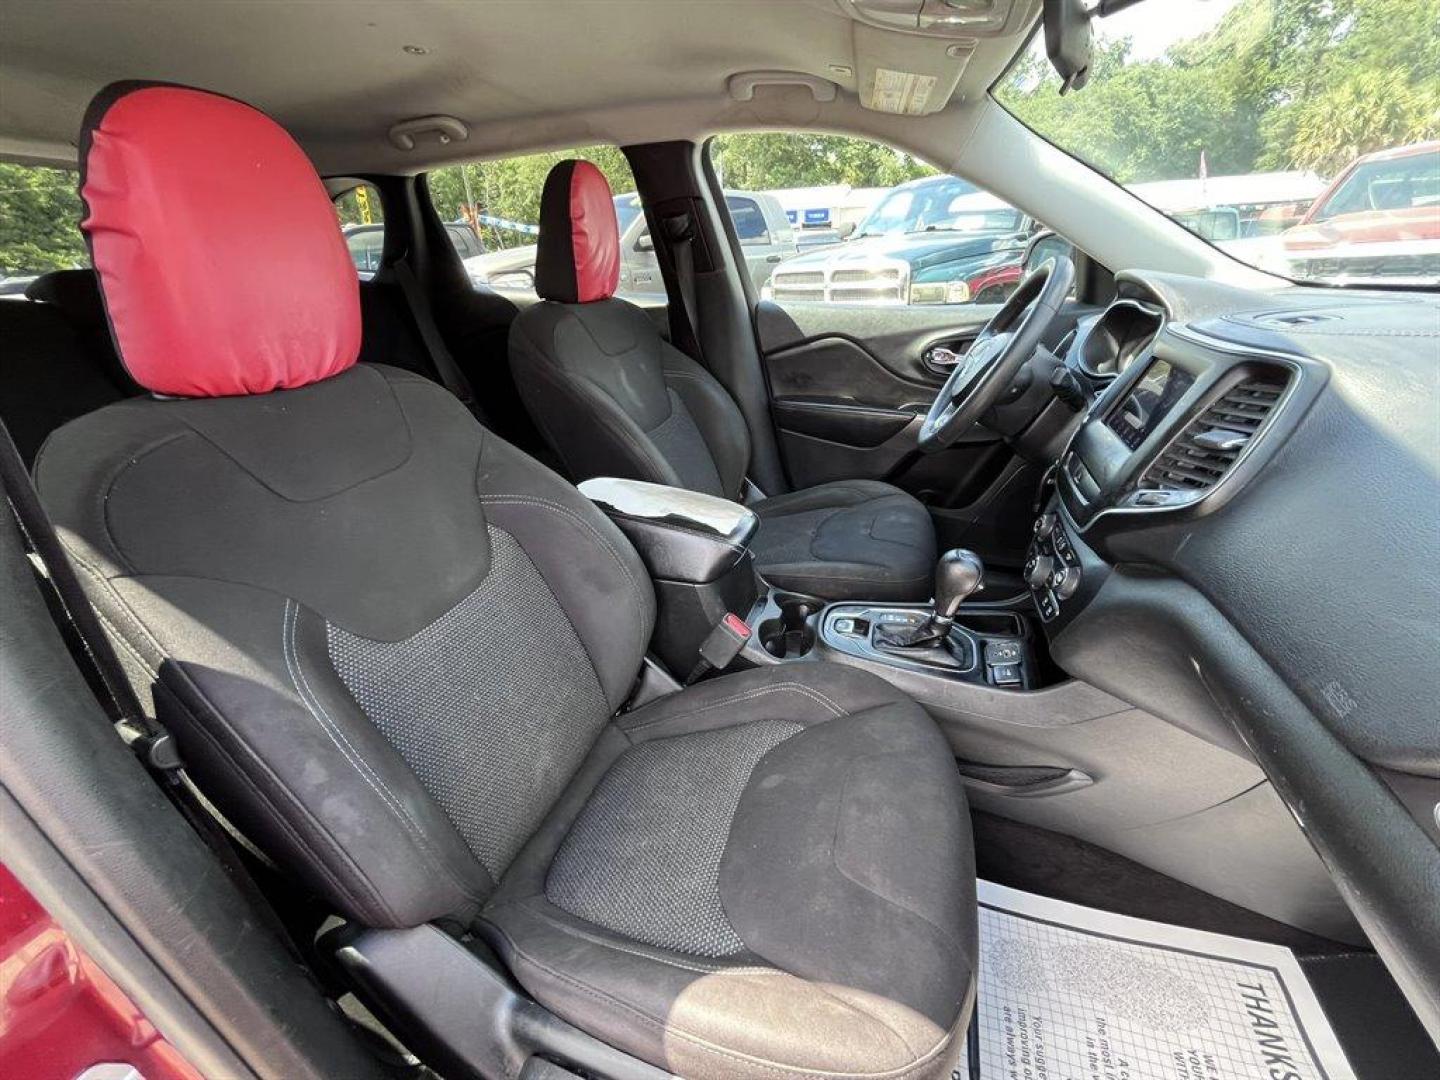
<point x="1240" y="540"/>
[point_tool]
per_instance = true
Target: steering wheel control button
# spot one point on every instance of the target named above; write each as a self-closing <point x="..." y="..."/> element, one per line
<point x="1045" y="526"/>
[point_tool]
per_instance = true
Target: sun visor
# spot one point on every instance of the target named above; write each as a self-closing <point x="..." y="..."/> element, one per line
<point x="907" y="74"/>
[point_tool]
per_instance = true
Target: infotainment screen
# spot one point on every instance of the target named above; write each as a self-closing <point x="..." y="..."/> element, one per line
<point x="1148" y="402"/>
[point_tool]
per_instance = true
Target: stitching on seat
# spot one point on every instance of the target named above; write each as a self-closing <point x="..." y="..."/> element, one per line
<point x="356" y="759"/>
<point x="341" y="887"/>
<point x="792" y="687"/>
<point x="775" y="1069"/>
<point x="534" y="500"/>
<point x="712" y="969"/>
<point x="697" y="966"/>
<point x="945" y="935"/>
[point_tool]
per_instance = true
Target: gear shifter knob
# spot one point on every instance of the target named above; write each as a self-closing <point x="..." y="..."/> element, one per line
<point x="958" y="574"/>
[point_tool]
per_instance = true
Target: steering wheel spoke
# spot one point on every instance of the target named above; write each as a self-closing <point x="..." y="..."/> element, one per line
<point x="997" y="353"/>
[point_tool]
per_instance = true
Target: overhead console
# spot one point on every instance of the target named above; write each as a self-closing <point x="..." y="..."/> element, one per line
<point x="910" y="54"/>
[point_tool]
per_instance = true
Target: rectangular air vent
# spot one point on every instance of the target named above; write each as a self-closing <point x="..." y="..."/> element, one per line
<point x="1211" y="443"/>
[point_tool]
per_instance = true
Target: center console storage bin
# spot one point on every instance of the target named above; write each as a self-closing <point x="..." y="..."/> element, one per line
<point x="697" y="549"/>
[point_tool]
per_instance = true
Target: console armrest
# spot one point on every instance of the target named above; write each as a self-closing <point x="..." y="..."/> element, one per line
<point x="681" y="535"/>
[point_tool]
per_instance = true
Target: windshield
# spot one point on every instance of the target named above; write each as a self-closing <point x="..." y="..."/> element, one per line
<point x="1290" y="133"/>
<point x="945" y="204"/>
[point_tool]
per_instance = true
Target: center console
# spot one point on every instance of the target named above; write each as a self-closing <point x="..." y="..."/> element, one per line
<point x="696" y="548"/>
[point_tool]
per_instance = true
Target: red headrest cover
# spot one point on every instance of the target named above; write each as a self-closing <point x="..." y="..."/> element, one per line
<point x="578" y="257"/>
<point x="218" y="250"/>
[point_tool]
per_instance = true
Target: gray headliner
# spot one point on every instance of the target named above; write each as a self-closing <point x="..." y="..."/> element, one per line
<point x="521" y="75"/>
<point x="529" y="76"/>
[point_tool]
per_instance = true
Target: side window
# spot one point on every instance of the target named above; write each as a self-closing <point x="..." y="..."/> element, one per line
<point x="362" y="223"/>
<point x="749" y="219"/>
<point x="499" y="201"/>
<point x="871" y="225"/>
<point x="39" y="225"/>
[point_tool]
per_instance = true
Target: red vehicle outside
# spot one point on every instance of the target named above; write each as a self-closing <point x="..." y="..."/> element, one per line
<point x="60" y="1015"/>
<point x="1379" y="219"/>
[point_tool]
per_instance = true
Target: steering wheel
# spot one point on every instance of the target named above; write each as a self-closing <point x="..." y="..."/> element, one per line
<point x="997" y="353"/>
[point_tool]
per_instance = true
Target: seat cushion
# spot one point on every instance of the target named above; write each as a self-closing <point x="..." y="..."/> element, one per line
<point x="852" y="539"/>
<point x="768" y="874"/>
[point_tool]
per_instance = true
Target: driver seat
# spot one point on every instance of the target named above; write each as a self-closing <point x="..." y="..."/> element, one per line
<point x="613" y="398"/>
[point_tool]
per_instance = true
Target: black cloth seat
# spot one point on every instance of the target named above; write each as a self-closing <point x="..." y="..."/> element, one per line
<point x="395" y="651"/>
<point x="54" y="363"/>
<point x="613" y="398"/>
<point x="756" y="874"/>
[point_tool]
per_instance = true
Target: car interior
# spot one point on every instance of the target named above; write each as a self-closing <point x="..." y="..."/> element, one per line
<point x="556" y="685"/>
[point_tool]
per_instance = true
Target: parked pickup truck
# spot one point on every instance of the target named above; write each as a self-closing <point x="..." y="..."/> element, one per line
<point x="766" y="237"/>
<point x="939" y="240"/>
<point x="1379" y="221"/>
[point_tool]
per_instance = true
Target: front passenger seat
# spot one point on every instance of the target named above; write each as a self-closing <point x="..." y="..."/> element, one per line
<point x="613" y="398"/>
<point x="394" y="651"/>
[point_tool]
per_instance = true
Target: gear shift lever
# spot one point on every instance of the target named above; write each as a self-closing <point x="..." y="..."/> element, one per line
<point x="957" y="575"/>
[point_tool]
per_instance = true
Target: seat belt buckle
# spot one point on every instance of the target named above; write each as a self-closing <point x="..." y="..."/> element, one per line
<point x="722" y="645"/>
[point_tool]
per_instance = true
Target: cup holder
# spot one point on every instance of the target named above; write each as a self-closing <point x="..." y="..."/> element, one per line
<point x="791" y="634"/>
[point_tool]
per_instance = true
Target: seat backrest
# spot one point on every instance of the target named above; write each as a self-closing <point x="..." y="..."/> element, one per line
<point x="383" y="638"/>
<point x="611" y="396"/>
<point x="53" y="365"/>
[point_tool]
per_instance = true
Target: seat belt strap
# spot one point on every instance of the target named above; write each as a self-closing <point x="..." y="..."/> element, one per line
<point x="680" y="231"/>
<point x="147" y="738"/>
<point x="152" y="744"/>
<point x="448" y="371"/>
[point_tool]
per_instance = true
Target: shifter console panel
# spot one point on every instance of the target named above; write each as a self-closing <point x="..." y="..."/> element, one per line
<point x="989" y="647"/>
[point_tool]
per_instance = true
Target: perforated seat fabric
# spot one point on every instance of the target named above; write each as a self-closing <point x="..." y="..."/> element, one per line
<point x="393" y="650"/>
<point x="768" y="874"/>
<point x="613" y="398"/>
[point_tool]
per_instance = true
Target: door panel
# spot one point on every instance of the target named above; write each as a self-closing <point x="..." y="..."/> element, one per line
<point x="894" y="338"/>
<point x="849" y="391"/>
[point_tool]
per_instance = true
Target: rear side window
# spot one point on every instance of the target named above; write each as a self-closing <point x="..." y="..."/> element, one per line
<point x="39" y="224"/>
<point x="499" y="202"/>
<point x="362" y="223"/>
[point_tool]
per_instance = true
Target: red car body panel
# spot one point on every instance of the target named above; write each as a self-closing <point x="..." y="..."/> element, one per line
<point x="995" y="275"/>
<point x="59" y="1013"/>
<point x="1367" y="227"/>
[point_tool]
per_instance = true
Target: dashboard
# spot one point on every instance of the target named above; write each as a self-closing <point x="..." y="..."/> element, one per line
<point x="1240" y="535"/>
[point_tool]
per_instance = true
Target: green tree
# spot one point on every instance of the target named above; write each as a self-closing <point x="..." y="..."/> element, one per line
<point x="764" y="161"/>
<point x="39" y="220"/>
<point x="510" y="188"/>
<point x="1277" y="84"/>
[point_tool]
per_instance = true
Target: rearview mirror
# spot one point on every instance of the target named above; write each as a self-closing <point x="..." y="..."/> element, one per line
<point x="845" y="230"/>
<point x="1068" y="41"/>
<point x="1045" y="245"/>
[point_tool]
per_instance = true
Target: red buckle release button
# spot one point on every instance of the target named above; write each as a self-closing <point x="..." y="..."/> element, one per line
<point x="736" y="624"/>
